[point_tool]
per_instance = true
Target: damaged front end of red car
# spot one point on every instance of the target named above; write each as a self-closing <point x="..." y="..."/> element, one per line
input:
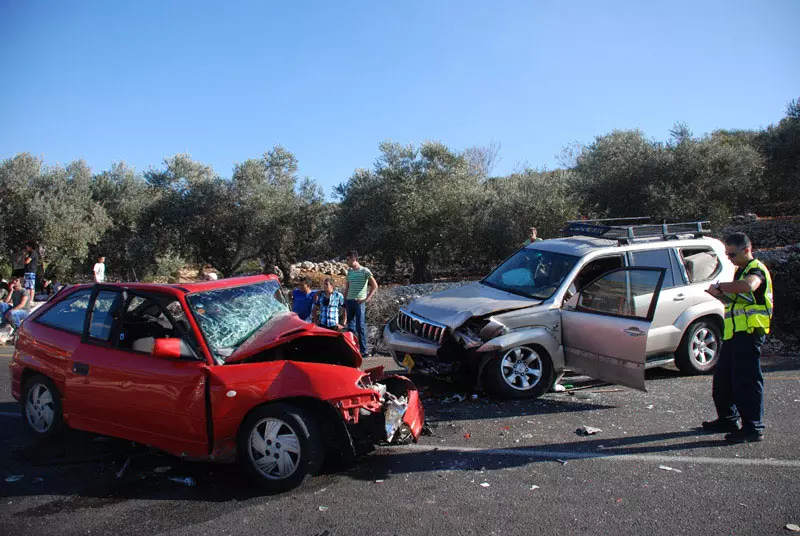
<point x="387" y="411"/>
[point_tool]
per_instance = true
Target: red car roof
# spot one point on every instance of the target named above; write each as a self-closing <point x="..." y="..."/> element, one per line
<point x="192" y="287"/>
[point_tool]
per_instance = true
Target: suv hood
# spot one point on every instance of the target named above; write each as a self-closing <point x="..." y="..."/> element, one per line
<point x="455" y="306"/>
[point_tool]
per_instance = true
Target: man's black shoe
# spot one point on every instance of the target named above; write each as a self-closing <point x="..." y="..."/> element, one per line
<point x="743" y="436"/>
<point x="720" y="427"/>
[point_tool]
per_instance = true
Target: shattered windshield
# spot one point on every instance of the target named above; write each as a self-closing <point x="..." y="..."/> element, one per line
<point x="229" y="316"/>
<point x="532" y="273"/>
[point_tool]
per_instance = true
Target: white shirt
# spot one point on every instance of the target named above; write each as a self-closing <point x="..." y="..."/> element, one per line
<point x="99" y="272"/>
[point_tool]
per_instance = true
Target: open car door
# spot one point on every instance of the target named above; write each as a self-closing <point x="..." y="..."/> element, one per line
<point x="605" y="325"/>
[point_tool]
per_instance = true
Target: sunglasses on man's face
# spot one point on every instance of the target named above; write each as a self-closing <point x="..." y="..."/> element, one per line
<point x="734" y="253"/>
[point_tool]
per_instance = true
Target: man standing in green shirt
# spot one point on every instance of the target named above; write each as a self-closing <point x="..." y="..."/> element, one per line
<point x="533" y="237"/>
<point x="360" y="287"/>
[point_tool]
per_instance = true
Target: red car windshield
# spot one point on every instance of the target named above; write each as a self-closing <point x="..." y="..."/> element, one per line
<point x="229" y="316"/>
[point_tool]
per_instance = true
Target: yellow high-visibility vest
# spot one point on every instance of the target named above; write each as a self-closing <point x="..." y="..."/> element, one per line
<point x="744" y="313"/>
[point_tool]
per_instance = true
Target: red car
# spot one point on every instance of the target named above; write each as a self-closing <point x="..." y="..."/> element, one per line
<point x="219" y="370"/>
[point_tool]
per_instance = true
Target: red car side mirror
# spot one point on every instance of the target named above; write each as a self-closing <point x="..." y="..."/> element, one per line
<point x="167" y="348"/>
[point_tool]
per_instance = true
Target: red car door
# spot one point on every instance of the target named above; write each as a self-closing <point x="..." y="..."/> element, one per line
<point x="116" y="387"/>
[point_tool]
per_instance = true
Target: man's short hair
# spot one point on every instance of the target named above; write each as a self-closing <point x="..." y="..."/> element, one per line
<point x="328" y="280"/>
<point x="353" y="254"/>
<point x="740" y="240"/>
<point x="306" y="281"/>
<point x="31" y="244"/>
<point x="101" y="257"/>
<point x="532" y="229"/>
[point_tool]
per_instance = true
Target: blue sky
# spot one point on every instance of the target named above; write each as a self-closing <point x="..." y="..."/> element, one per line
<point x="138" y="81"/>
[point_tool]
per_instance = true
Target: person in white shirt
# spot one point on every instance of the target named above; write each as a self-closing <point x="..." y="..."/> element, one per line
<point x="100" y="270"/>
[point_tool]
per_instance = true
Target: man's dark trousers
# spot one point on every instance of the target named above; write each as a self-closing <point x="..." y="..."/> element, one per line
<point x="357" y="323"/>
<point x="738" y="386"/>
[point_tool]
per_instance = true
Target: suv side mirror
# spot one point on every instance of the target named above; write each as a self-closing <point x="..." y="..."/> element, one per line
<point x="167" y="348"/>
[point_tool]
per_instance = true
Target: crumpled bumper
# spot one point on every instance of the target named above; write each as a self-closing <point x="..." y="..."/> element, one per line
<point x="390" y="411"/>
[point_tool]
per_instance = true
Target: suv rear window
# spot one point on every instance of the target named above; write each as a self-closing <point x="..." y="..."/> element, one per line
<point x="701" y="264"/>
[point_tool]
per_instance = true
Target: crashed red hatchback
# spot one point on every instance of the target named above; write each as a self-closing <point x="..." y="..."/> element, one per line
<point x="219" y="370"/>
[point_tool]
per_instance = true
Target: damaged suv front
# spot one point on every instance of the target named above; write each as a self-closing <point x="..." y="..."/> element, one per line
<point x="503" y="331"/>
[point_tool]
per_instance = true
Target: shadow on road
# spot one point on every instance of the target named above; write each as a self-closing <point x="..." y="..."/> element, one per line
<point x="399" y="462"/>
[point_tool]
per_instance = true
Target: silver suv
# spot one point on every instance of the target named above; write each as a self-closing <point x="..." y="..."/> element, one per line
<point x="607" y="300"/>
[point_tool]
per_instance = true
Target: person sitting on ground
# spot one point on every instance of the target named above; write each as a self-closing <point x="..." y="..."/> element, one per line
<point x="5" y="289"/>
<point x="329" y="310"/>
<point x="303" y="299"/>
<point x="13" y="310"/>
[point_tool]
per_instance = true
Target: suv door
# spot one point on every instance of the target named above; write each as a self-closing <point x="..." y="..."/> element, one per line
<point x="663" y="336"/>
<point x="117" y="390"/>
<point x="604" y="327"/>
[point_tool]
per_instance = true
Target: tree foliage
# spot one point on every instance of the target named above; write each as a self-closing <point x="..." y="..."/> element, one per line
<point x="429" y="205"/>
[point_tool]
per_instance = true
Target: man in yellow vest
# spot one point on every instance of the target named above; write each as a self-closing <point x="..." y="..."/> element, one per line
<point x="738" y="386"/>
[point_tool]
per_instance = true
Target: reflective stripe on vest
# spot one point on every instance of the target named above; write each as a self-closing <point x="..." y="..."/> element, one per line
<point x="744" y="314"/>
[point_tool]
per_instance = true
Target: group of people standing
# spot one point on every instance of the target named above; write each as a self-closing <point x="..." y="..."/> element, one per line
<point x="332" y="309"/>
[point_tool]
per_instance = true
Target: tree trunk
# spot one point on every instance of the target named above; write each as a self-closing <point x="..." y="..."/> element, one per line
<point x="421" y="273"/>
<point x="391" y="265"/>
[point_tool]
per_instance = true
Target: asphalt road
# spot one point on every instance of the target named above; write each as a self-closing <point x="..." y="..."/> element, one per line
<point x="490" y="467"/>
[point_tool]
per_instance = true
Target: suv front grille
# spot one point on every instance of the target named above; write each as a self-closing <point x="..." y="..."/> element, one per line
<point x="420" y="327"/>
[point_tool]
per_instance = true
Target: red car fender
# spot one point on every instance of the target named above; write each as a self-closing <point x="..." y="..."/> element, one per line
<point x="235" y="390"/>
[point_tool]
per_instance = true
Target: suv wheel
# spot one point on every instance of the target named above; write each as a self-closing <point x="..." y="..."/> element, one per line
<point x="520" y="372"/>
<point x="699" y="349"/>
<point x="279" y="445"/>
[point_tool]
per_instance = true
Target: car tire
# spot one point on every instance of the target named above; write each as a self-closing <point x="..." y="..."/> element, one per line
<point x="279" y="446"/>
<point x="41" y="407"/>
<point x="699" y="349"/>
<point x="510" y="371"/>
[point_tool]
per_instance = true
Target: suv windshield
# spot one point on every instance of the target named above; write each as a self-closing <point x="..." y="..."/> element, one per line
<point x="229" y="316"/>
<point x="532" y="273"/>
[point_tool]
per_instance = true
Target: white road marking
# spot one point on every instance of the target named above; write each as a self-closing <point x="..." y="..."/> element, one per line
<point x="567" y="455"/>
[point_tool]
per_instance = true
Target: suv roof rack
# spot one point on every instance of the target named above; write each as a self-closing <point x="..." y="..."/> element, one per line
<point x="630" y="230"/>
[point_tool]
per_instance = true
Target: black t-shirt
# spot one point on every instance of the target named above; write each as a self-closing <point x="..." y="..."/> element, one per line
<point x="762" y="288"/>
<point x="32" y="266"/>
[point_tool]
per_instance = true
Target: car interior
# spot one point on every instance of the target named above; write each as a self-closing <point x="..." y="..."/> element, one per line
<point x="154" y="317"/>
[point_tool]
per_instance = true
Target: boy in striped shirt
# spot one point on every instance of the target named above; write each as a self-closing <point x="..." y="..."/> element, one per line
<point x="361" y="286"/>
<point x="329" y="307"/>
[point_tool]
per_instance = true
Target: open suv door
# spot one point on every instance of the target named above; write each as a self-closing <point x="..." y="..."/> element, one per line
<point x="605" y="325"/>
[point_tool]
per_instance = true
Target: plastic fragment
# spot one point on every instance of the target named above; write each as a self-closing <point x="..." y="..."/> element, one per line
<point x="124" y="468"/>
<point x="467" y="435"/>
<point x="379" y="481"/>
<point x="188" y="481"/>
<point x="14" y="478"/>
<point x="527" y="436"/>
<point x="650" y="406"/>
<point x="323" y="508"/>
<point x="667" y="468"/>
<point x="587" y="430"/>
<point x="792" y="527"/>
<point x="558" y="388"/>
<point x="562" y="462"/>
<point x="534" y="487"/>
<point x="485" y="484"/>
<point x="473" y="396"/>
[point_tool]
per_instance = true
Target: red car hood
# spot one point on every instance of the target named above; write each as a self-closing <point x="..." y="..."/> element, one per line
<point x="278" y="331"/>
